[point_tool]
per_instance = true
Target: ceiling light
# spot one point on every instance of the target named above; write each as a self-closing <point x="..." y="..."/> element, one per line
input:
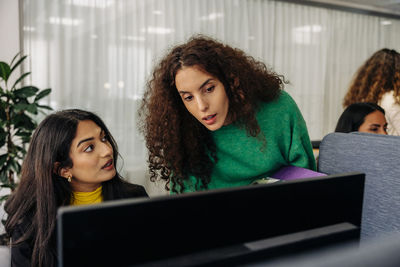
<point x="64" y="21"/>
<point x="212" y="16"/>
<point x="91" y="3"/>
<point x="158" y="30"/>
<point x="386" y="22"/>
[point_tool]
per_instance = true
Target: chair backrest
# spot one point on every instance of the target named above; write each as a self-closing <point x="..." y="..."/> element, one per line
<point x="382" y="252"/>
<point x="378" y="156"/>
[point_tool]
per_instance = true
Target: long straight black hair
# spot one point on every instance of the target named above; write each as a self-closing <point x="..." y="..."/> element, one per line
<point x="41" y="190"/>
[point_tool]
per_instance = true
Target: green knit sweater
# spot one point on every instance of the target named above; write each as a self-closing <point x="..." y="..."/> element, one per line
<point x="243" y="159"/>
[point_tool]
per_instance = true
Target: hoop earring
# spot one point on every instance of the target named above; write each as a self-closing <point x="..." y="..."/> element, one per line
<point x="69" y="178"/>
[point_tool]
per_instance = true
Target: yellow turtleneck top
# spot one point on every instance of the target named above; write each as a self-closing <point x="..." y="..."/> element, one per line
<point x="82" y="198"/>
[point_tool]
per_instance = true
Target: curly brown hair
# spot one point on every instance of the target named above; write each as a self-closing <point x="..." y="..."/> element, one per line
<point x="378" y="75"/>
<point x="177" y="143"/>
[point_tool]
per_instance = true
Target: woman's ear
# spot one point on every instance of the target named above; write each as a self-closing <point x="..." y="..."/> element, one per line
<point x="64" y="172"/>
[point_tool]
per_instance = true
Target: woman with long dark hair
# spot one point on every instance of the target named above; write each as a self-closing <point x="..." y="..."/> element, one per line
<point x="362" y="117"/>
<point x="70" y="161"/>
<point x="215" y="117"/>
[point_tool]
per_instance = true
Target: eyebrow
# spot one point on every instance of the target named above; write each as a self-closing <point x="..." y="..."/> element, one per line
<point x="90" y="138"/>
<point x="85" y="140"/>
<point x="201" y="86"/>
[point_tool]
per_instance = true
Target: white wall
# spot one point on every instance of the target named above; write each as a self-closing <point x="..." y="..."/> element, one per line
<point x="9" y="29"/>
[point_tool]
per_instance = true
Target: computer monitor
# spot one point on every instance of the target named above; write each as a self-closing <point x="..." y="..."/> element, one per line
<point x="211" y="225"/>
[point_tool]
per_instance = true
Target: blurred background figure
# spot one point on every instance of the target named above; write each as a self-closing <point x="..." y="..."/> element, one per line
<point x="378" y="81"/>
<point x="362" y="117"/>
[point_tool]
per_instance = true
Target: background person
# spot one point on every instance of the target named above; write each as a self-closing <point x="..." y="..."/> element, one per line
<point x="362" y="117"/>
<point x="215" y="117"/>
<point x="378" y="81"/>
<point x="70" y="161"/>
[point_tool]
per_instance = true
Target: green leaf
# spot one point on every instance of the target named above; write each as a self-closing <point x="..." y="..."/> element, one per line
<point x="23" y="134"/>
<point x="3" y="117"/>
<point x="2" y="139"/>
<point x="3" y="176"/>
<point x="4" y="71"/>
<point x="26" y="91"/>
<point x="16" y="64"/>
<point x="26" y="139"/>
<point x="15" y="57"/>
<point x="3" y="159"/>
<point x="5" y="197"/>
<point x="6" y="168"/>
<point x="18" y="148"/>
<point x="20" y="79"/>
<point x="15" y="166"/>
<point x="18" y="167"/>
<point x="32" y="108"/>
<point x="42" y="94"/>
<point x="22" y="106"/>
<point x="24" y="122"/>
<point x="7" y="185"/>
<point x="45" y="107"/>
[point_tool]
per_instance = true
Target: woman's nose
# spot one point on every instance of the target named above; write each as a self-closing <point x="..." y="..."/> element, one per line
<point x="202" y="104"/>
<point x="107" y="149"/>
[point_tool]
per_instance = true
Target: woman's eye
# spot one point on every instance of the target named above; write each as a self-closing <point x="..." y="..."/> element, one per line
<point x="210" y="89"/>
<point x="188" y="98"/>
<point x="374" y="129"/>
<point x="89" y="148"/>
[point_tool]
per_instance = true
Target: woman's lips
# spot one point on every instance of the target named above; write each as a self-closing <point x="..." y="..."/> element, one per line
<point x="211" y="119"/>
<point x="109" y="165"/>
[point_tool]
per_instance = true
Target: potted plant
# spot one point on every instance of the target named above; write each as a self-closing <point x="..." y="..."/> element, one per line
<point x="18" y="106"/>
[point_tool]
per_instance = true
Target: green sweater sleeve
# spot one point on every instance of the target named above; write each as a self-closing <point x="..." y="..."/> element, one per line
<point x="300" y="151"/>
<point x="285" y="130"/>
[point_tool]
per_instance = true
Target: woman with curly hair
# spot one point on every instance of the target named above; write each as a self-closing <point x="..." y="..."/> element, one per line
<point x="378" y="81"/>
<point x="70" y="161"/>
<point x="215" y="117"/>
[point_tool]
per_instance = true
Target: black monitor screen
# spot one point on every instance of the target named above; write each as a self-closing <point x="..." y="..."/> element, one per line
<point x="139" y="231"/>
